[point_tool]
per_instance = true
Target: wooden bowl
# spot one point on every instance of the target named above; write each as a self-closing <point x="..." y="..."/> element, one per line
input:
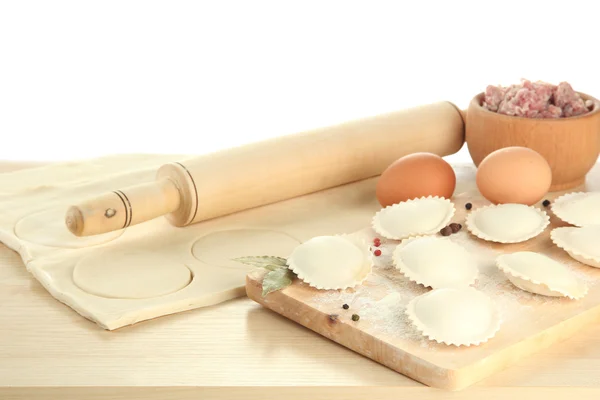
<point x="570" y="145"/>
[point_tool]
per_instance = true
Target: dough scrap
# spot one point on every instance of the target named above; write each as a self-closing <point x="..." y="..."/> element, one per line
<point x="332" y="262"/>
<point x="507" y="223"/>
<point x="47" y="228"/>
<point x="582" y="244"/>
<point x="579" y="209"/>
<point x="455" y="316"/>
<point x="435" y="262"/>
<point x="130" y="275"/>
<point x="540" y="274"/>
<point x="417" y="217"/>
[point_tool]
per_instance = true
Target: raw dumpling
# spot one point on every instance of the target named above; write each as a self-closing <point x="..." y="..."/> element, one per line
<point x="507" y="223"/>
<point x="579" y="209"/>
<point x="582" y="244"/>
<point x="435" y="262"/>
<point x="423" y="216"/>
<point x="331" y="262"/>
<point x="537" y="273"/>
<point x="455" y="316"/>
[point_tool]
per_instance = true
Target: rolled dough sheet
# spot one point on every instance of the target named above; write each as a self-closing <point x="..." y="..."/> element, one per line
<point x="130" y="275"/>
<point x="154" y="269"/>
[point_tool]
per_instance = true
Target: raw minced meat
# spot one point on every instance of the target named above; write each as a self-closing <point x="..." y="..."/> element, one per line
<point x="536" y="100"/>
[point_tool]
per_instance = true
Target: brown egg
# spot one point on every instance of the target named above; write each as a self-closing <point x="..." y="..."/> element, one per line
<point x="413" y="176"/>
<point x="514" y="175"/>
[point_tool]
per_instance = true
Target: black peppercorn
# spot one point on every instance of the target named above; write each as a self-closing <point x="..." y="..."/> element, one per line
<point x="468" y="206"/>
<point x="546" y="203"/>
<point x="455" y="227"/>
<point x="345" y="306"/>
<point x="355" y="317"/>
<point x="446" y="231"/>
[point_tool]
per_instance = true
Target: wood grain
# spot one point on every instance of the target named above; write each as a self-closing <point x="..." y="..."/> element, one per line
<point x="293" y="393"/>
<point x="237" y="350"/>
<point x="570" y="145"/>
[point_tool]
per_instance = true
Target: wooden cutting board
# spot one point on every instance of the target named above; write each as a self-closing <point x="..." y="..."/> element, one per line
<point x="530" y="322"/>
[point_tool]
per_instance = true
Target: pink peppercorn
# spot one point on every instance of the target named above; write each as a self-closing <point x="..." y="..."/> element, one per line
<point x="377" y="252"/>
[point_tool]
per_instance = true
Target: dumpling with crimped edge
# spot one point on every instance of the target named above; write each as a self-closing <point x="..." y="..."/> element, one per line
<point x="455" y="316"/>
<point x="582" y="244"/>
<point x="579" y="209"/>
<point x="540" y="274"/>
<point x="435" y="262"/>
<point x="422" y="216"/>
<point x="332" y="262"/>
<point x="507" y="223"/>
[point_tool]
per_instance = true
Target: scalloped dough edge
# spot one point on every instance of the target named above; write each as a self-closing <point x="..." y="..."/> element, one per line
<point x="419" y="326"/>
<point x="409" y="273"/>
<point x="377" y="226"/>
<point x="574" y="253"/>
<point x="368" y="264"/>
<point x="509" y="272"/>
<point x="559" y="201"/>
<point x="471" y="226"/>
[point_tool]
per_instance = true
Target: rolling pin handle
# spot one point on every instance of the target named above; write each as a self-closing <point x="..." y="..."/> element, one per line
<point x="120" y="209"/>
<point x="74" y="220"/>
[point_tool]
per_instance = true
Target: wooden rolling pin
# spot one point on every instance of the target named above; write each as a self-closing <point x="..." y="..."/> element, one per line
<point x="248" y="176"/>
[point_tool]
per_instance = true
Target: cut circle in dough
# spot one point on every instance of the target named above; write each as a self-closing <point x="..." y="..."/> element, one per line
<point x="435" y="262"/>
<point x="219" y="249"/>
<point x="455" y="316"/>
<point x="416" y="217"/>
<point x="540" y="274"/>
<point x="582" y="244"/>
<point x="130" y="275"/>
<point x="507" y="223"/>
<point x="48" y="228"/>
<point x="331" y="262"/>
<point x="579" y="209"/>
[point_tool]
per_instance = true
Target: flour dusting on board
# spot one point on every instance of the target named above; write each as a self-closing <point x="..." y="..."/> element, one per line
<point x="382" y="299"/>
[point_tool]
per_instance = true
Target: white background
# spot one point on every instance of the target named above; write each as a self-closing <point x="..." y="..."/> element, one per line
<point x="82" y="79"/>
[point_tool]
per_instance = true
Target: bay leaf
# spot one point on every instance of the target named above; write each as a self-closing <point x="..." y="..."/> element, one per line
<point x="268" y="262"/>
<point x="277" y="280"/>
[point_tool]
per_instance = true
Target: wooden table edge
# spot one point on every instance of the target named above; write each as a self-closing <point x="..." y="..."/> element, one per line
<point x="294" y="392"/>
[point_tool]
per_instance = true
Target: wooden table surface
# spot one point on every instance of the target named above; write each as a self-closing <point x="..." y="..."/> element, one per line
<point x="236" y="350"/>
